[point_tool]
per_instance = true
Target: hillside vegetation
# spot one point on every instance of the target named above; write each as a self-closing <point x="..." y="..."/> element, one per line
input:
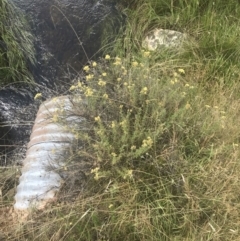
<point x="162" y="136"/>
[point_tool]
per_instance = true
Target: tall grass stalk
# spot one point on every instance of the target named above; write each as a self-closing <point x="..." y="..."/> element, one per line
<point x="16" y="45"/>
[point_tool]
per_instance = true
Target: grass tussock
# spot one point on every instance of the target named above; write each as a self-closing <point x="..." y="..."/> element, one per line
<point x="16" y="45"/>
<point x="162" y="134"/>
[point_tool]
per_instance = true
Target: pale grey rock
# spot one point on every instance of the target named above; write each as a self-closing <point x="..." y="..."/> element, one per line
<point x="164" y="39"/>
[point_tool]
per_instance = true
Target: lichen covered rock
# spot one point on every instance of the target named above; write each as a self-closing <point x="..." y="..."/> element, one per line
<point x="164" y="39"/>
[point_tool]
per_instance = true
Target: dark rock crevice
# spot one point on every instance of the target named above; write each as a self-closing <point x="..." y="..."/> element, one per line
<point x="66" y="34"/>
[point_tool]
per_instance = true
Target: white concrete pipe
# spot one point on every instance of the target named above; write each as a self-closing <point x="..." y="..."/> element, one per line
<point x="50" y="139"/>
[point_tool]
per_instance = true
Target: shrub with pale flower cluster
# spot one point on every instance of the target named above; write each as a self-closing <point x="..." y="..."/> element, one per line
<point x="130" y="105"/>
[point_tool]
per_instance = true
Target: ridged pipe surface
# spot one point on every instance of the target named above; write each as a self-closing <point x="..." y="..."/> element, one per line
<point x="47" y="149"/>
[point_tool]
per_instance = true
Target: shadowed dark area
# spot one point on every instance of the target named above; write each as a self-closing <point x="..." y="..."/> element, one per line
<point x="66" y="35"/>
